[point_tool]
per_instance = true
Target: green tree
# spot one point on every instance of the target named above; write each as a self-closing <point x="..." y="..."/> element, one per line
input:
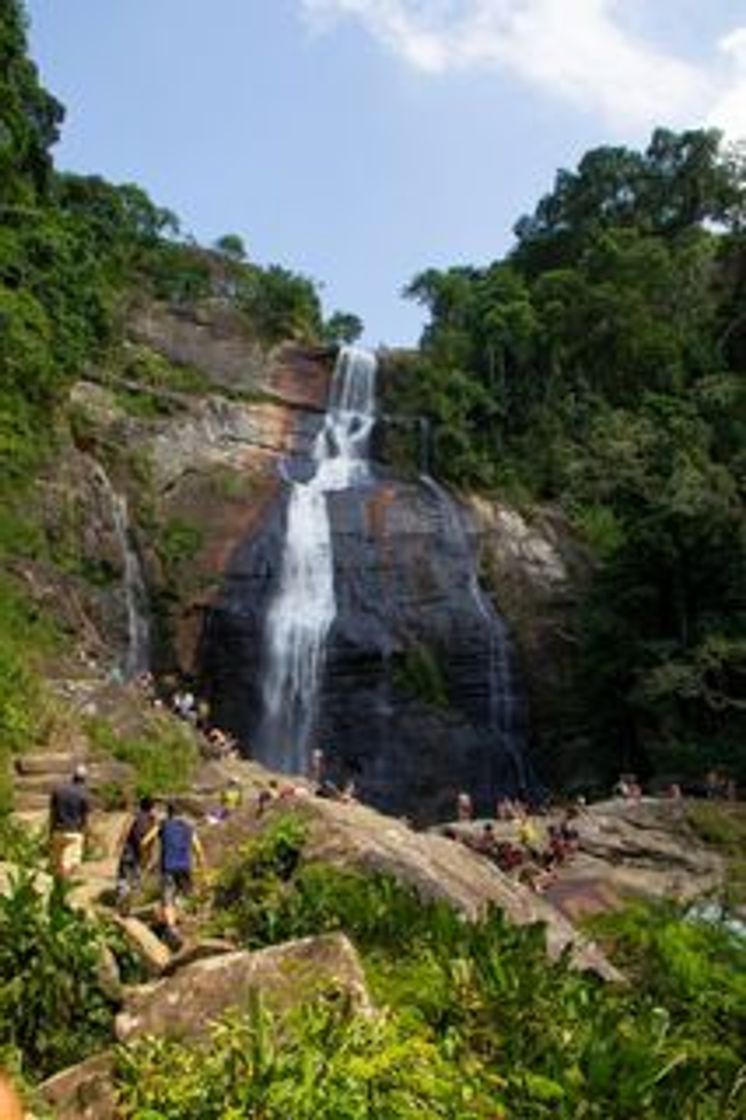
<point x="232" y="246"/>
<point x="343" y="326"/>
<point x="29" y="116"/>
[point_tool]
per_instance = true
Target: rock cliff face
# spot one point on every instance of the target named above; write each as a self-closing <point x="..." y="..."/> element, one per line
<point x="422" y="693"/>
<point x="536" y="572"/>
<point x="406" y="702"/>
<point x="199" y="469"/>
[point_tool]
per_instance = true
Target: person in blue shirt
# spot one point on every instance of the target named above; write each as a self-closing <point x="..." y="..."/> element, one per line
<point x="180" y="849"/>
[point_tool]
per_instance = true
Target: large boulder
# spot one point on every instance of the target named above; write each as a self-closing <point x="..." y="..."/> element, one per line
<point x="184" y="1005"/>
<point x="645" y="848"/>
<point x="352" y="835"/>
<point x="83" y="1092"/>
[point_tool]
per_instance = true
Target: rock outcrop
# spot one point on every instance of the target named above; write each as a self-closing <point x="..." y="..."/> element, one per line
<point x="537" y="572"/>
<point x="644" y="848"/>
<point x="415" y="692"/>
<point x="286" y="976"/>
<point x="83" y="1092"/>
<point x="352" y="835"/>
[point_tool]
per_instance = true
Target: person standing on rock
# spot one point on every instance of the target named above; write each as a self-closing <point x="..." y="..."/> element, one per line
<point x="464" y="807"/>
<point x="133" y="852"/>
<point x="69" y="809"/>
<point x="179" y="849"/>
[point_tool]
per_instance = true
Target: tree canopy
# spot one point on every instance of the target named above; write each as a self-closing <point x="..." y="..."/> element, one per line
<point x="601" y="366"/>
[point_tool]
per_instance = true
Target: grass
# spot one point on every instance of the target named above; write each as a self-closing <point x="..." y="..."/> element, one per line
<point x="722" y="825"/>
<point x="163" y="755"/>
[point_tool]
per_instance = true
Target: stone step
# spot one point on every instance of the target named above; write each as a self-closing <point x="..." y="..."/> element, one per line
<point x="107" y="772"/>
<point x="36" y="783"/>
<point x="24" y="802"/>
<point x="57" y="763"/>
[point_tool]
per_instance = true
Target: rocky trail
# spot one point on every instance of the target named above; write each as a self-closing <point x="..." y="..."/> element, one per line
<point x="625" y="849"/>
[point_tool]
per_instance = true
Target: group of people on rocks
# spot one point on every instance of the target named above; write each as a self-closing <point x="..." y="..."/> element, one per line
<point x="157" y="833"/>
<point x="716" y="785"/>
<point x="153" y="834"/>
<point x="182" y="701"/>
<point x="534" y="859"/>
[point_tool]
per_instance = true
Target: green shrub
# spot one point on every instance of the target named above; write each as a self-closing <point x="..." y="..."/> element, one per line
<point x="250" y="895"/>
<point x="163" y="755"/>
<point x="25" y="706"/>
<point x="724" y="827"/>
<point x="52" y="1006"/>
<point x="18" y="845"/>
<point x="420" y="674"/>
<point x="327" y="1064"/>
<point x="179" y="543"/>
<point x="514" y="1028"/>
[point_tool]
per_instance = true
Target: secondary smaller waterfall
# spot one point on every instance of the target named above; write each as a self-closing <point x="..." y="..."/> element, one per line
<point x="304" y="606"/>
<point x="505" y="709"/>
<point x="137" y="655"/>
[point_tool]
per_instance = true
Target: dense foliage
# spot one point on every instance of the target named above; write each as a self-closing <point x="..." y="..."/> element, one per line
<point x="75" y="249"/>
<point x="163" y="754"/>
<point x="601" y="366"/>
<point x="76" y="253"/>
<point x="502" y="1032"/>
<point x="53" y="1008"/>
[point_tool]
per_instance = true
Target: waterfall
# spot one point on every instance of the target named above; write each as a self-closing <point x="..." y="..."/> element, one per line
<point x="137" y="656"/>
<point x="304" y="606"/>
<point x="505" y="706"/>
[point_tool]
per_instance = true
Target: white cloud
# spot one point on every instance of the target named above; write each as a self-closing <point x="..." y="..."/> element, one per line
<point x="729" y="111"/>
<point x="574" y="49"/>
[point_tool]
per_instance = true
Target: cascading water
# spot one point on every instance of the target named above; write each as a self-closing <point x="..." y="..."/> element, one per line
<point x="505" y="707"/>
<point x="304" y="605"/>
<point x="137" y="656"/>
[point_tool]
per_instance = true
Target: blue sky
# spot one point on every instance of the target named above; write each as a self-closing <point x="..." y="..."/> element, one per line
<point x="361" y="141"/>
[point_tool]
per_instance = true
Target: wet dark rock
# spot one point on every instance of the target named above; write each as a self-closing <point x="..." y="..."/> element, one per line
<point x="407" y="704"/>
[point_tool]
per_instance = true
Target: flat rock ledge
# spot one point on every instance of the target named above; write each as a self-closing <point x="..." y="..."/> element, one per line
<point x="185" y="1005"/>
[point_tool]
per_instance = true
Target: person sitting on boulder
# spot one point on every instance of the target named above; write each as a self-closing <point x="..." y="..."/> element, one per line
<point x="507" y="856"/>
<point x="179" y="849"/>
<point x="528" y="835"/>
<point x="622" y="787"/>
<point x="133" y="853"/>
<point x="266" y="796"/>
<point x="316" y="767"/>
<point x="484" y="843"/>
<point x="504" y="811"/>
<point x="69" y="809"/>
<point x="557" y="850"/>
<point x="231" y="797"/>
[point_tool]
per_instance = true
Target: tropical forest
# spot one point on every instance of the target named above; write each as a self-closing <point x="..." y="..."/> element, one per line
<point x="372" y="722"/>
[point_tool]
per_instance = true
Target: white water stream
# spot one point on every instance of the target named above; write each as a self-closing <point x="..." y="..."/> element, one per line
<point x="304" y="606"/>
<point x="503" y="697"/>
<point x="137" y="655"/>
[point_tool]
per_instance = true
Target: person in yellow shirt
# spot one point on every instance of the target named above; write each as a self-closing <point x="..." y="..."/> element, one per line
<point x="528" y="834"/>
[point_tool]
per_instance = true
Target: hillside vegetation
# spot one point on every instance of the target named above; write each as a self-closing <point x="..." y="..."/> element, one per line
<point x="77" y="255"/>
<point x="599" y="367"/>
